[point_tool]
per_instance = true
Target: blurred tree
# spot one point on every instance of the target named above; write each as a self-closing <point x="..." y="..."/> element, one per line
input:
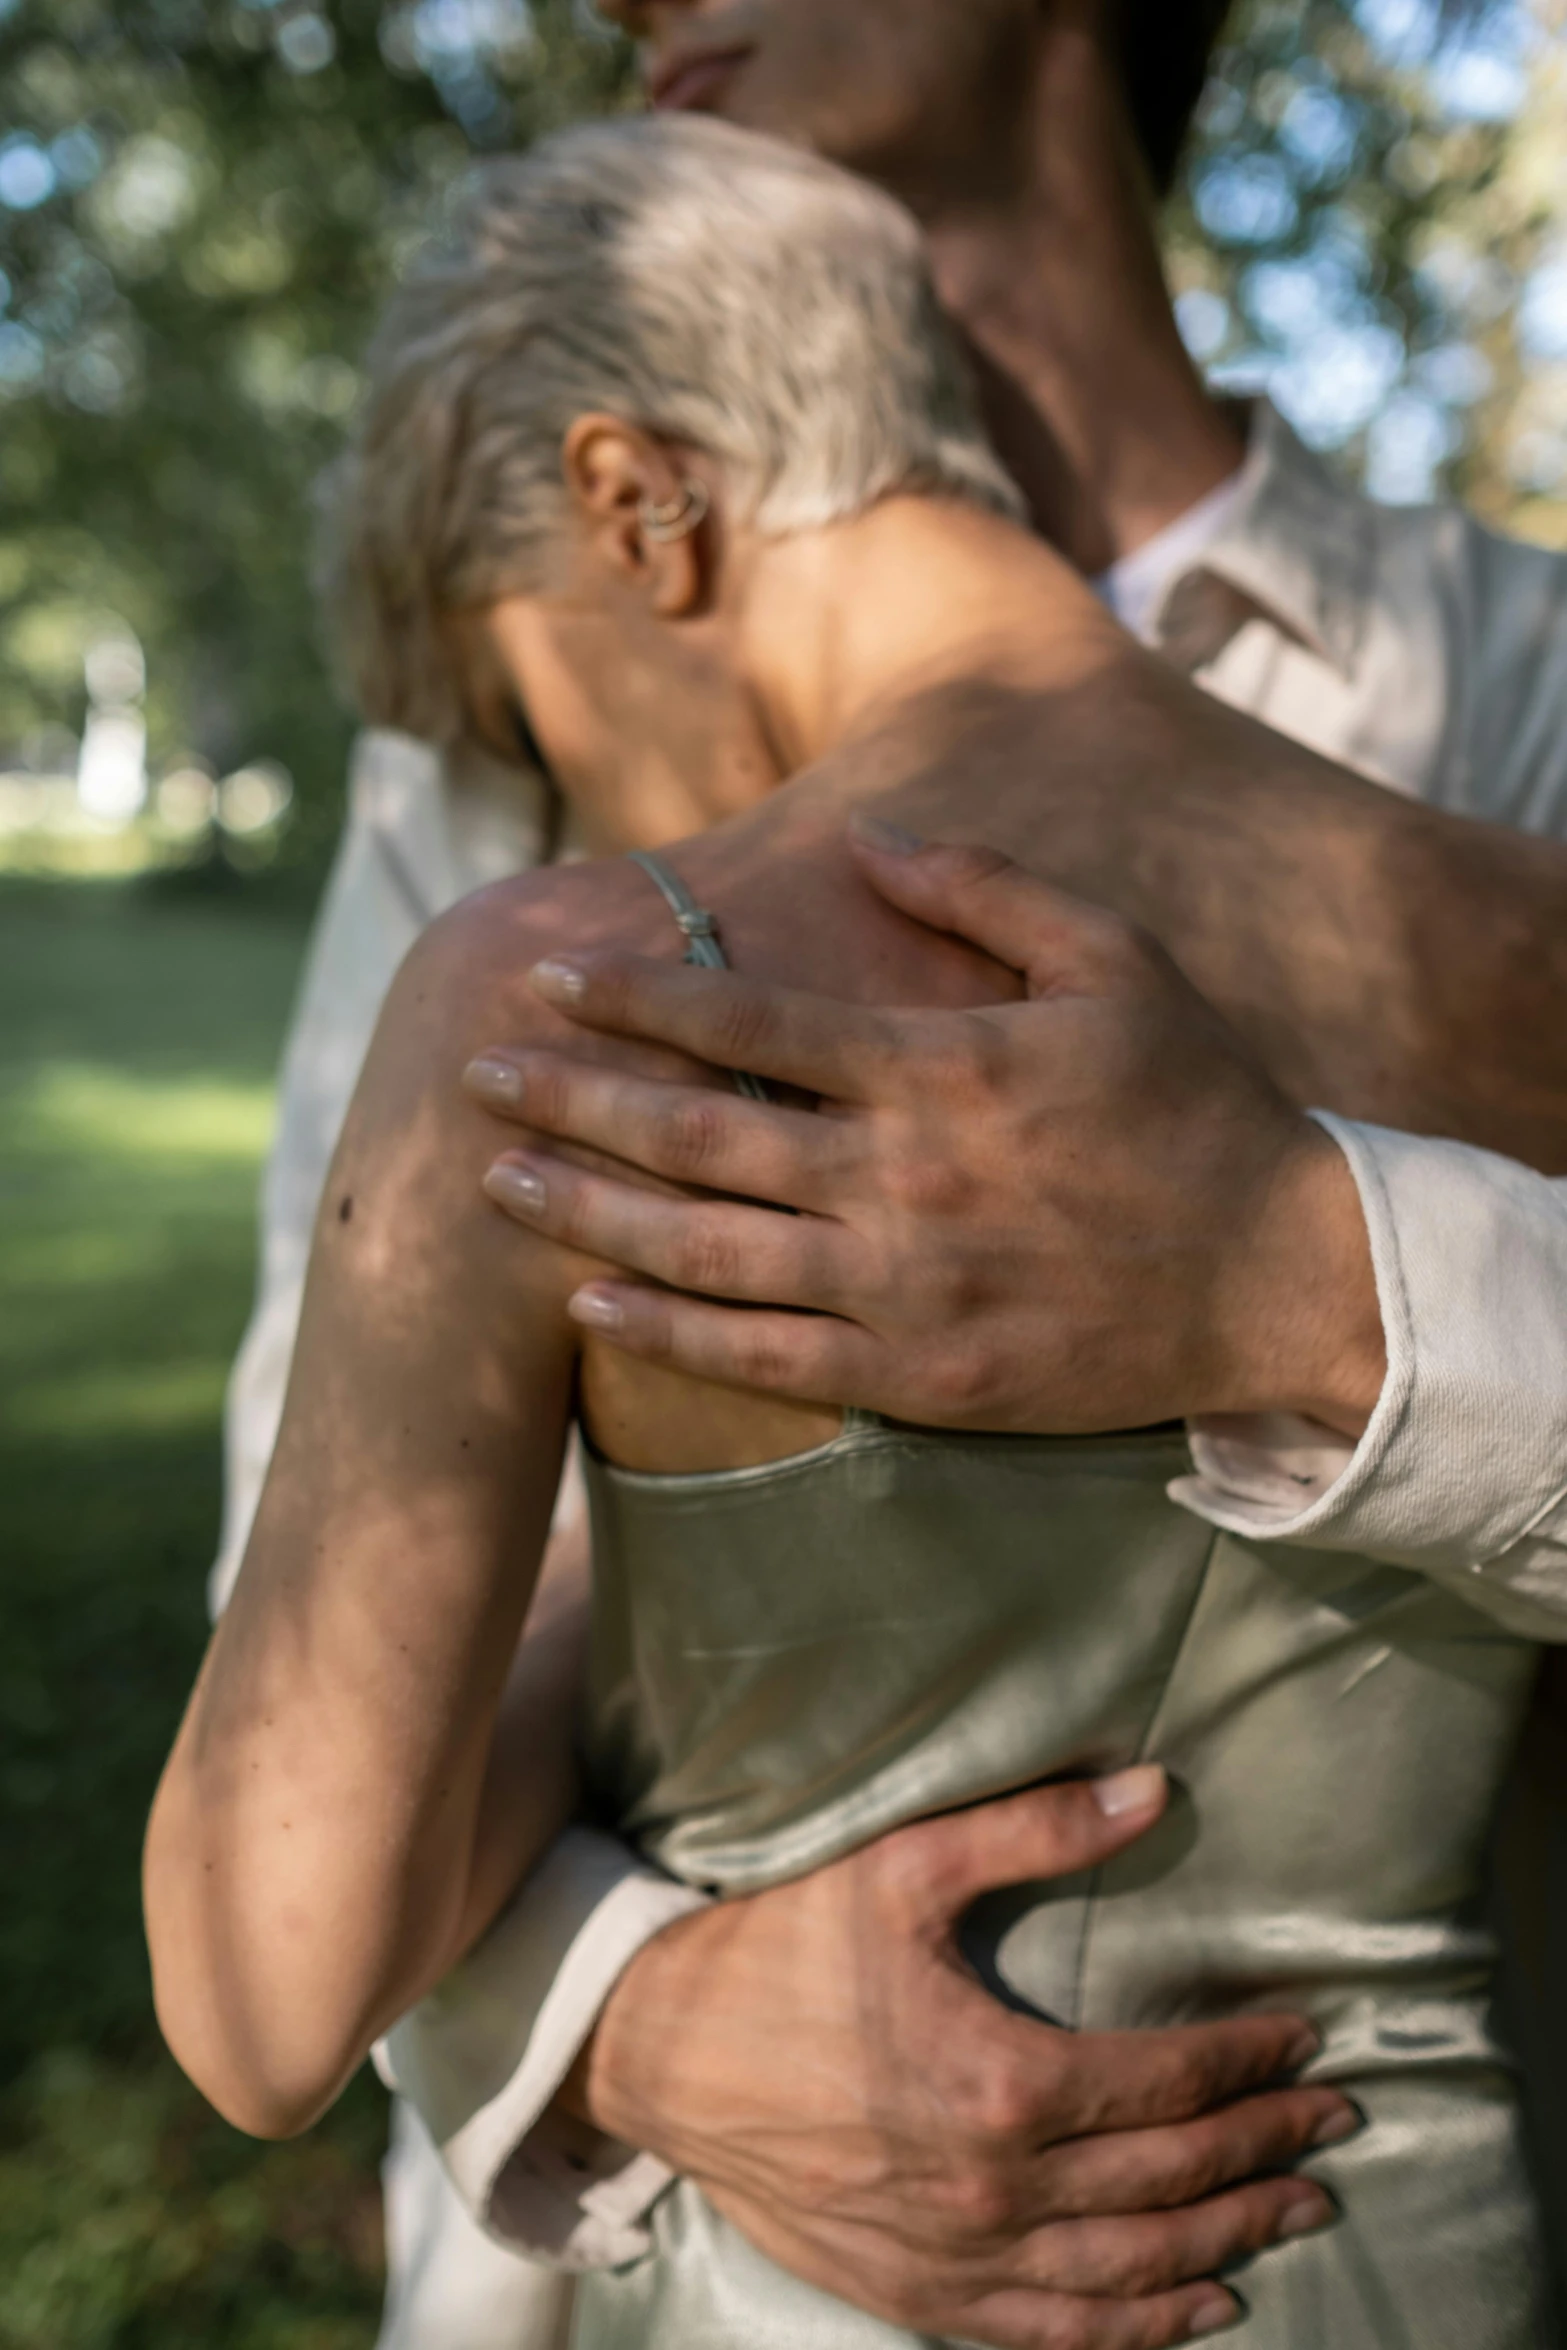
<point x="201" y="202"/>
<point x="1371" y="227"/>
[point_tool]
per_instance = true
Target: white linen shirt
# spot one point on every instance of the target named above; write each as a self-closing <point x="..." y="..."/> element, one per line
<point x="1410" y="644"/>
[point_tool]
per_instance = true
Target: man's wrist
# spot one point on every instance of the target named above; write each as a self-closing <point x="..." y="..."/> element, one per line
<point x="598" y="2089"/>
<point x="573" y="2094"/>
<point x="1314" y="1342"/>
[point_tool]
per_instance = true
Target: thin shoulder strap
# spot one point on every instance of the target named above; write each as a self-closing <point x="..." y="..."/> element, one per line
<point x="699" y="929"/>
<point x="700" y="932"/>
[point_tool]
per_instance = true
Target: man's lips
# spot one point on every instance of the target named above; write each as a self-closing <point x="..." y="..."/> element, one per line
<point x="691" y="83"/>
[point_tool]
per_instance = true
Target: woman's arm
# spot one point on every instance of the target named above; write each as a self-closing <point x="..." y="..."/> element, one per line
<point x="327" y="1837"/>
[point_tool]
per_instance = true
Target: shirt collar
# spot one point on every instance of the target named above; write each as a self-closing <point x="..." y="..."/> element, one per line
<point x="1138" y="586"/>
<point x="1297" y="544"/>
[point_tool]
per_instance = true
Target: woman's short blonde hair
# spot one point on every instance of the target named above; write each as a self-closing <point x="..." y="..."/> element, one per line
<point x="718" y="289"/>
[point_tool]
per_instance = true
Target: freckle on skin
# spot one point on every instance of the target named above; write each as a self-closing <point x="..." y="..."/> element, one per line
<point x="345" y="1207"/>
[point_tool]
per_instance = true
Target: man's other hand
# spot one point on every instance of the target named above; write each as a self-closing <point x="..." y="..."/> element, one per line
<point x="1088" y="1210"/>
<point x="821" y="2062"/>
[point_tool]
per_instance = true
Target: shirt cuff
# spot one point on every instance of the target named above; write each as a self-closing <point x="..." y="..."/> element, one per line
<point x="482" y="2057"/>
<point x="1465" y="1456"/>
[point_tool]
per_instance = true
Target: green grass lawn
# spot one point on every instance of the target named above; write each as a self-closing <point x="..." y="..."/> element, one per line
<point x="138" y="1031"/>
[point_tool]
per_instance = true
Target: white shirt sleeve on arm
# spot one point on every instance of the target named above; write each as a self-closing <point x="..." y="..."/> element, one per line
<point x="482" y="2057"/>
<point x="1462" y="1471"/>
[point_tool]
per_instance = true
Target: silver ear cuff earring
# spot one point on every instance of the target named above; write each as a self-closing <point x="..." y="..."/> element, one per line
<point x="680" y="515"/>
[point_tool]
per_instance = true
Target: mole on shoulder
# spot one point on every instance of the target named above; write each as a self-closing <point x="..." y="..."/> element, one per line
<point x="345" y="1207"/>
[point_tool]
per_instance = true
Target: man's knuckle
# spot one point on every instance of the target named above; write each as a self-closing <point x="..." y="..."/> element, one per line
<point x="988" y="1059"/>
<point x="961" y="1382"/>
<point x="1138" y="2264"/>
<point x="1193" y="2077"/>
<point x="1194" y="2171"/>
<point x="960" y="1290"/>
<point x="908" y="1866"/>
<point x="954" y="1065"/>
<point x="1070" y="2326"/>
<point x="934" y="2301"/>
<point x="998" y="2106"/>
<point x="705" y="1257"/>
<point x="743" y="1027"/>
<point x="980" y="2200"/>
<point x="926" y="1185"/>
<point x="691" y="1135"/>
<point x="765" y="1360"/>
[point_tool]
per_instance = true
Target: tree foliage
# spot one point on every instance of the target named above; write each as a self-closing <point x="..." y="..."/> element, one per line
<point x="1369" y="225"/>
<point x="206" y="204"/>
<point x="202" y="201"/>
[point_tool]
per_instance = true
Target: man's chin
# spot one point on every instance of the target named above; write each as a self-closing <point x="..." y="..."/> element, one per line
<point x="736" y="89"/>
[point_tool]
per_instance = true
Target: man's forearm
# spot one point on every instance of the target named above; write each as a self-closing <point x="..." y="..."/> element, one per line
<point x="1388" y="960"/>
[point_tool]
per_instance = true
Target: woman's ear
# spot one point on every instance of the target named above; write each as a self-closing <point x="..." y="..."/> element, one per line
<point x="641" y="512"/>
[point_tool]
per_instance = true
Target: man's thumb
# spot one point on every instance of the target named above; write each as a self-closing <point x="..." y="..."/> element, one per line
<point x="978" y="894"/>
<point x="1045" y="1832"/>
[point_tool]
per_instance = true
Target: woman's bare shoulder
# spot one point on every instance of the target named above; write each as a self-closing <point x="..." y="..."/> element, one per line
<point x="468" y="974"/>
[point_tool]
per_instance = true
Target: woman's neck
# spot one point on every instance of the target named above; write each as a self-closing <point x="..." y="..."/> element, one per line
<point x="840" y="627"/>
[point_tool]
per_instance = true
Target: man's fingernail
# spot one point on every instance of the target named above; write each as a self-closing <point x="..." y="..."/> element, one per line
<point x="1139" y="1789"/>
<point x="596" y="1311"/>
<point x="517" y="1187"/>
<point x="1334" y="2128"/>
<point x="894" y="840"/>
<point x="494" y="1081"/>
<point x="559" y="980"/>
<point x="1305" y="2215"/>
<point x="1214" y="2314"/>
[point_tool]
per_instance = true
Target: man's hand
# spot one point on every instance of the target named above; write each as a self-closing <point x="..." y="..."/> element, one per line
<point x="1089" y="1210"/>
<point x="821" y="2062"/>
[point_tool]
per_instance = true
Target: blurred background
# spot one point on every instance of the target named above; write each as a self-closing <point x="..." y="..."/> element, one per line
<point x="200" y="206"/>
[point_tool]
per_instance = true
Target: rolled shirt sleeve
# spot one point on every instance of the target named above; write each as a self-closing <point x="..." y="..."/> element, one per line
<point x="1462" y="1471"/>
<point x="482" y="2057"/>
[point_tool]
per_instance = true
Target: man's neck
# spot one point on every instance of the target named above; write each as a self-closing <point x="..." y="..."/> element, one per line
<point x="1091" y="396"/>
